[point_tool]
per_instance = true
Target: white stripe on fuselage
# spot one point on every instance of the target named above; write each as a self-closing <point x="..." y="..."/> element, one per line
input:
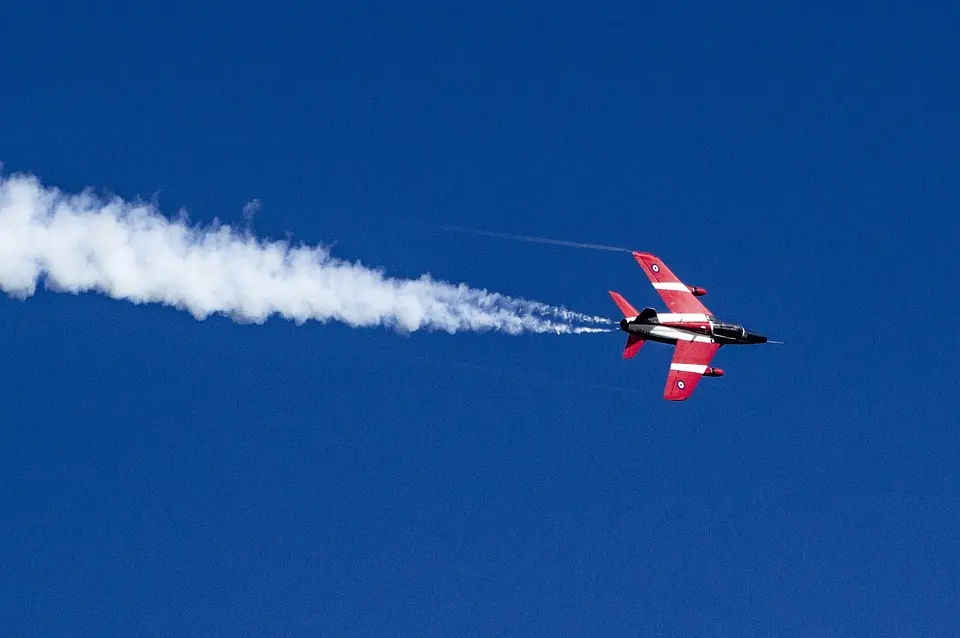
<point x="682" y="317"/>
<point x="688" y="367"/>
<point x="679" y="335"/>
<point x="670" y="285"/>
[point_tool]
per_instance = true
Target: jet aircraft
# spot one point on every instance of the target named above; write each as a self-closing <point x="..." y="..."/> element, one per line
<point x="694" y="329"/>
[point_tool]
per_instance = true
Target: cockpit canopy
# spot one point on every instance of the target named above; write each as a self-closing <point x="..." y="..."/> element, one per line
<point x="729" y="330"/>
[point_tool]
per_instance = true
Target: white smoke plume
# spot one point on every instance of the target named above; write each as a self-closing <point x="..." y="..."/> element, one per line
<point x="128" y="250"/>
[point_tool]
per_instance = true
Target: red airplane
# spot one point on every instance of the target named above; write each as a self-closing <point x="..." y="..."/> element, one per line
<point x="695" y="331"/>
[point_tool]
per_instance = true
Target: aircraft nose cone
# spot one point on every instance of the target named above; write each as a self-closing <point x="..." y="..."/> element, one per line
<point x="755" y="337"/>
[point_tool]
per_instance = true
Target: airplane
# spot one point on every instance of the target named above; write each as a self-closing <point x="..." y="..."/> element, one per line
<point x="694" y="329"/>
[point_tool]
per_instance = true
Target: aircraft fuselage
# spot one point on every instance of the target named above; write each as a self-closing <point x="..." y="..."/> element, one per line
<point x="673" y="327"/>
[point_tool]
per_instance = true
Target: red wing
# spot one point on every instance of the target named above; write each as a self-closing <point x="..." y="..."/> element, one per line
<point x="690" y="361"/>
<point x="673" y="291"/>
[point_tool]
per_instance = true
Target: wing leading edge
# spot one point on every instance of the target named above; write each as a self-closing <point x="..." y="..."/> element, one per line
<point x="690" y="361"/>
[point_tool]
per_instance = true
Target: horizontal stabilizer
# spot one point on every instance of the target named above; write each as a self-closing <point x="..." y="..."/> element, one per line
<point x="623" y="304"/>
<point x="634" y="343"/>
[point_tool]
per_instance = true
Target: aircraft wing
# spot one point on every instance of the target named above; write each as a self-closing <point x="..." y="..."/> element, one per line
<point x="674" y="292"/>
<point x="690" y="361"/>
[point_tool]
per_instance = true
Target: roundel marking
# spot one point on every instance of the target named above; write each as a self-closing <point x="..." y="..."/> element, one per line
<point x="680" y="384"/>
<point x="655" y="268"/>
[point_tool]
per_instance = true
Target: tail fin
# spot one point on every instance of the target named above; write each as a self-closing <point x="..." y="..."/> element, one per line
<point x="634" y="343"/>
<point x="623" y="304"/>
<point x="647" y="314"/>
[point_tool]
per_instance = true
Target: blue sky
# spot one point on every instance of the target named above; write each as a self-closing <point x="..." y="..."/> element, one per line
<point x="162" y="475"/>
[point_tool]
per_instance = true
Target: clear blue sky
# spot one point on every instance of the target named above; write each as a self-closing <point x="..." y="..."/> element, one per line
<point x="165" y="476"/>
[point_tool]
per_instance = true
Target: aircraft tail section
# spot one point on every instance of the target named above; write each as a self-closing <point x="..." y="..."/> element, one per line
<point x="647" y="315"/>
<point x="623" y="304"/>
<point x="634" y="340"/>
<point x="634" y="343"/>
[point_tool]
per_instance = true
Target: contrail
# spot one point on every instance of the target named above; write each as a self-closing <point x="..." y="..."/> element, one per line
<point x="535" y="240"/>
<point x="128" y="250"/>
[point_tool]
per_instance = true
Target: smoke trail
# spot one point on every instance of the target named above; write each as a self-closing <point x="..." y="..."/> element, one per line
<point x="535" y="240"/>
<point x="80" y="242"/>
